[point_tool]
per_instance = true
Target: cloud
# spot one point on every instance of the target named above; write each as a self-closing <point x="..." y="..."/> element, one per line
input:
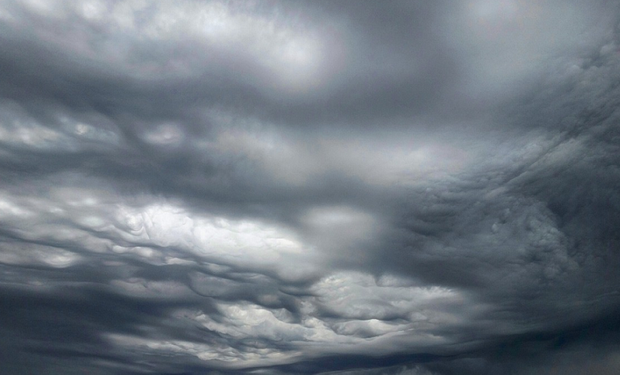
<point x="329" y="187"/>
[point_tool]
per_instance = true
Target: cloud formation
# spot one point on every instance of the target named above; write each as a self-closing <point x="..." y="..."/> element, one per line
<point x="325" y="187"/>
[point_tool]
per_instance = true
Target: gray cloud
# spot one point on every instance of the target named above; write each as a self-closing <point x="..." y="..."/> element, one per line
<point x="309" y="188"/>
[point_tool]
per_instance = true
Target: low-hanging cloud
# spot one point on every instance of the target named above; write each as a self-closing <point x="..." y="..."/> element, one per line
<point x="330" y="187"/>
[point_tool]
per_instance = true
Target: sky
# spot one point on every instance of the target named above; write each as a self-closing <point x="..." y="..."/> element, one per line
<point x="330" y="187"/>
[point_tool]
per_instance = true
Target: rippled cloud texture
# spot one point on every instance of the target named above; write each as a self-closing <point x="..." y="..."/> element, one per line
<point x="320" y="187"/>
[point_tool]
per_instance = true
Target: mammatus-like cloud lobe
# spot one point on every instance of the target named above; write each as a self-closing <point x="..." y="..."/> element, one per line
<point x="319" y="187"/>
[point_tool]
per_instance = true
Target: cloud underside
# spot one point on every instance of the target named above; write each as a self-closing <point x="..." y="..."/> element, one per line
<point x="330" y="187"/>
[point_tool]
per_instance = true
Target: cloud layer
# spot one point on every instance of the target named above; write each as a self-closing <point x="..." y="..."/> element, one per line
<point x="325" y="187"/>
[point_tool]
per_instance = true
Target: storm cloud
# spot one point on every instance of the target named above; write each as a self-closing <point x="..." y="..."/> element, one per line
<point x="318" y="187"/>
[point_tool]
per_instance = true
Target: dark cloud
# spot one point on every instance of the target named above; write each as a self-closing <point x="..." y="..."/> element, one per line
<point x="330" y="187"/>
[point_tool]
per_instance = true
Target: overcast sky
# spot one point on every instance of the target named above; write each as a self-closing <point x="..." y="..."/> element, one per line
<point x="310" y="187"/>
